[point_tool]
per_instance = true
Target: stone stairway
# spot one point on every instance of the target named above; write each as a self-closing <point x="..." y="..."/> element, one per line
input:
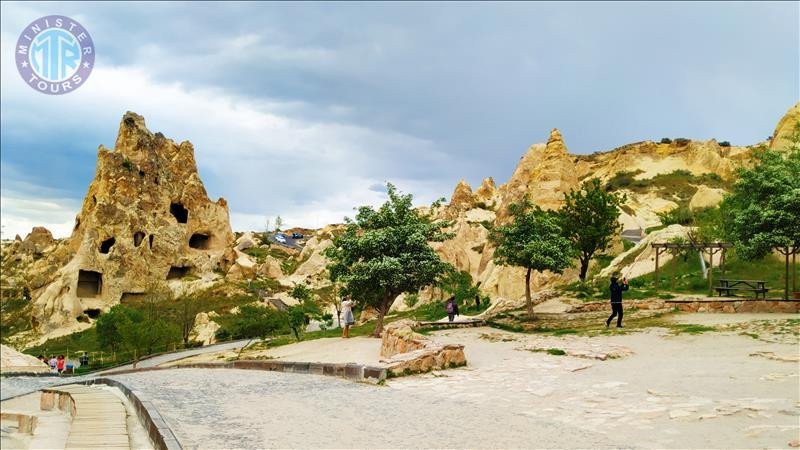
<point x="99" y="418"/>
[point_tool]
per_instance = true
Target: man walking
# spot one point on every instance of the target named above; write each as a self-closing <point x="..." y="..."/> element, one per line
<point x="616" y="299"/>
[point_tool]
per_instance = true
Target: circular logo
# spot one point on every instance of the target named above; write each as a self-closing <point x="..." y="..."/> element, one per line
<point x="54" y="55"/>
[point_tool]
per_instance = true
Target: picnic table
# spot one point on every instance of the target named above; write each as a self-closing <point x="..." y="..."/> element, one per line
<point x="729" y="288"/>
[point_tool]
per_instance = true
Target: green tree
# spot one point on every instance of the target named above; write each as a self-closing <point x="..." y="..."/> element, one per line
<point x="107" y="329"/>
<point x="187" y="308"/>
<point x="459" y="285"/>
<point x="255" y="322"/>
<point x="299" y="315"/>
<point x="762" y="212"/>
<point x="589" y="220"/>
<point x="385" y="253"/>
<point x="533" y="240"/>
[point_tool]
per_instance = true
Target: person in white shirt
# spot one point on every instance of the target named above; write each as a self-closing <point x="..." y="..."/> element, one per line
<point x="347" y="315"/>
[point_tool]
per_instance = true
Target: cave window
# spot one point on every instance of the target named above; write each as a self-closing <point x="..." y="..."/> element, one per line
<point x="94" y="199"/>
<point x="176" y="272"/>
<point x="138" y="237"/>
<point x="156" y="180"/>
<point x="90" y="283"/>
<point x="77" y="223"/>
<point x="200" y="241"/>
<point x="151" y="241"/>
<point x="92" y="313"/>
<point x="141" y="173"/>
<point x="106" y="245"/>
<point x="129" y="297"/>
<point x="181" y="214"/>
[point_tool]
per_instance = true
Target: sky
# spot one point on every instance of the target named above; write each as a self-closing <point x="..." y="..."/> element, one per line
<point x="306" y="110"/>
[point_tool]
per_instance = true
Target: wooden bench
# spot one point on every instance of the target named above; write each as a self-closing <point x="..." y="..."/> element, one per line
<point x="730" y="287"/>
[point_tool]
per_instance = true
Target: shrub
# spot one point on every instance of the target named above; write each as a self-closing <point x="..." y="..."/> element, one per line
<point x="666" y="141"/>
<point x="126" y="163"/>
<point x="556" y="351"/>
<point x="682" y="142"/>
<point x="724" y="144"/>
<point x="680" y="215"/>
<point x="411" y="300"/>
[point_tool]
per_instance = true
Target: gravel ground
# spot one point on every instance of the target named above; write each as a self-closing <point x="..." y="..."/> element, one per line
<point x="685" y="391"/>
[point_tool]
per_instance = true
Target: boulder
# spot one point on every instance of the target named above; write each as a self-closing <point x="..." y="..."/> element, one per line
<point x="204" y="329"/>
<point x="12" y="361"/>
<point x="706" y="197"/>
<point x="406" y="352"/>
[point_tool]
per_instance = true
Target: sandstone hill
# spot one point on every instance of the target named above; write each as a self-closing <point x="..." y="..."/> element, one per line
<point x="146" y="219"/>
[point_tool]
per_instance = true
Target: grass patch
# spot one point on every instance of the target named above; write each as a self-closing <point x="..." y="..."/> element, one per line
<point x="260" y="254"/>
<point x="564" y="331"/>
<point x="556" y="351"/>
<point x="691" y="328"/>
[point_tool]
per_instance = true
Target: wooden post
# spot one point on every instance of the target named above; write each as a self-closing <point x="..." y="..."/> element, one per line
<point x="794" y="269"/>
<point x="674" y="268"/>
<point x="710" y="270"/>
<point x="657" y="252"/>
<point x="786" y="291"/>
<point x="722" y="262"/>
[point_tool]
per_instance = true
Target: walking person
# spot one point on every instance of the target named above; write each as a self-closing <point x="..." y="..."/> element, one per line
<point x="60" y="363"/>
<point x="52" y="363"/>
<point x="452" y="308"/>
<point x="616" y="299"/>
<point x="347" y="315"/>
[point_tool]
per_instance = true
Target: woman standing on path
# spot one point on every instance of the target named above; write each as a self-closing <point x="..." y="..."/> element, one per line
<point x="347" y="315"/>
<point x="616" y="299"/>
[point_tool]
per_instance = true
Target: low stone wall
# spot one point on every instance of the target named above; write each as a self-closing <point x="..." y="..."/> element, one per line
<point x="26" y="423"/>
<point x="160" y="433"/>
<point x="350" y="371"/>
<point x="737" y="306"/>
<point x="723" y="305"/>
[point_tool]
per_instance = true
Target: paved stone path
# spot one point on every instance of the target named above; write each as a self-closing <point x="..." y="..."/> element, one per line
<point x="100" y="419"/>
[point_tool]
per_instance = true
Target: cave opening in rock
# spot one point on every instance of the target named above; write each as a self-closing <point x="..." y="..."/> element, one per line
<point x="106" y="245"/>
<point x="200" y="241"/>
<point x="141" y="173"/>
<point x="138" y="237"/>
<point x="92" y="313"/>
<point x="90" y="283"/>
<point x="77" y="223"/>
<point x="131" y="297"/>
<point x="181" y="214"/>
<point x="176" y="272"/>
<point x="151" y="241"/>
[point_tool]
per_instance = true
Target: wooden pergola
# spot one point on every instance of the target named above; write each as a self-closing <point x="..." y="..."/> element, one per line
<point x="710" y="248"/>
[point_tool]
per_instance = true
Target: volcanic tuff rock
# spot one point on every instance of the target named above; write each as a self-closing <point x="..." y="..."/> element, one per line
<point x="146" y="218"/>
<point x="785" y="128"/>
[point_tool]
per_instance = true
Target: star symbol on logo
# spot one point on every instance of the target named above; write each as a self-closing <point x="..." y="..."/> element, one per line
<point x="86" y="65"/>
<point x="24" y="64"/>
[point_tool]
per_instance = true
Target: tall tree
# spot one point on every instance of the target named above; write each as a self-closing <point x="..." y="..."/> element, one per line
<point x="762" y="212"/>
<point x="533" y="240"/>
<point x="459" y="285"/>
<point x="589" y="220"/>
<point x="385" y="253"/>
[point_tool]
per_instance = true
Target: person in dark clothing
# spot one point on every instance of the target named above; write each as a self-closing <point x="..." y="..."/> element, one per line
<point x="452" y="308"/>
<point x="616" y="299"/>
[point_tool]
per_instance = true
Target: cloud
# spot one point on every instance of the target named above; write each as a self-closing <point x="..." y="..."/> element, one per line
<point x="263" y="161"/>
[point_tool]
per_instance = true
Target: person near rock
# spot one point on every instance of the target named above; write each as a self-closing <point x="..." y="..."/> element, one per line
<point x="60" y="363"/>
<point x="616" y="299"/>
<point x="52" y="363"/>
<point x="347" y="315"/>
<point x="452" y="308"/>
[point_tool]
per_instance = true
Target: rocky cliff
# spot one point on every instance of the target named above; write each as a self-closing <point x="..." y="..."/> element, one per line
<point x="146" y="219"/>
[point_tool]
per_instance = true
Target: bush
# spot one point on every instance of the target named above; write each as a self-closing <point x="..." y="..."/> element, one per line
<point x="411" y="300"/>
<point x="680" y="215"/>
<point x="724" y="144"/>
<point x="682" y="142"/>
<point x="126" y="163"/>
<point x="666" y="141"/>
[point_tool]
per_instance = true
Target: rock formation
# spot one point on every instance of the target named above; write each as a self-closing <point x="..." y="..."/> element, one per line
<point x="407" y="352"/>
<point x="785" y="128"/>
<point x="146" y="218"/>
<point x="12" y="361"/>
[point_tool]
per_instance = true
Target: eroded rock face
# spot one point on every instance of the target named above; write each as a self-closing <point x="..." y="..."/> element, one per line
<point x="407" y="352"/>
<point x="706" y="197"/>
<point x="37" y="241"/>
<point x="785" y="128"/>
<point x="146" y="218"/>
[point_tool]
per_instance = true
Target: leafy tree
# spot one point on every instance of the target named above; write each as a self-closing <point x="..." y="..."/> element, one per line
<point x="762" y="213"/>
<point x="385" y="253"/>
<point x="533" y="240"/>
<point x="187" y="309"/>
<point x="299" y="315"/>
<point x="589" y="220"/>
<point x="278" y="223"/>
<point x="459" y="284"/>
<point x="255" y="322"/>
<point x="107" y="329"/>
